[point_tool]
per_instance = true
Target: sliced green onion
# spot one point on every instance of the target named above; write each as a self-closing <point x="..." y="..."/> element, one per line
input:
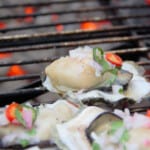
<point x="113" y="78"/>
<point x="124" y="147"/>
<point x="24" y="142"/>
<point x="19" y="117"/>
<point x="95" y="146"/>
<point x="121" y="90"/>
<point x="125" y="137"/>
<point x="98" y="56"/>
<point x="97" y="50"/>
<point x="31" y="132"/>
<point x="115" y="126"/>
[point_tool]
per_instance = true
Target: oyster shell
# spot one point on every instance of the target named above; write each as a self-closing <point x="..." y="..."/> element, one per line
<point x="45" y="125"/>
<point x="102" y="123"/>
<point x="137" y="90"/>
<point x="120" y="131"/>
<point x="79" y="78"/>
<point x="72" y="133"/>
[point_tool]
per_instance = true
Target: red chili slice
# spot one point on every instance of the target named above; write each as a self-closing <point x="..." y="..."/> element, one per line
<point x="114" y="59"/>
<point x="10" y="111"/>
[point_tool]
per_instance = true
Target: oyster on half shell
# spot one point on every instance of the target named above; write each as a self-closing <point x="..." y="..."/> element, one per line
<point x="120" y="131"/>
<point x="72" y="133"/>
<point x="44" y="127"/>
<point x="108" y="130"/>
<point x="79" y="77"/>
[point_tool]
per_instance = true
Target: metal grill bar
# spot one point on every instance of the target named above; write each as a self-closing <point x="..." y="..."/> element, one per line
<point x="80" y="43"/>
<point x="44" y="3"/>
<point x="84" y="42"/>
<point x="66" y="36"/>
<point x="27" y="62"/>
<point x="139" y="109"/>
<point x="94" y="19"/>
<point x="78" y="32"/>
<point x="36" y="61"/>
<point x="83" y="10"/>
<point x="24" y="77"/>
<point x="21" y="95"/>
<point x="143" y="63"/>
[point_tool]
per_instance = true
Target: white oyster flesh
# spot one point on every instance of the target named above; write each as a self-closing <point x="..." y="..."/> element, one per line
<point x="73" y="134"/>
<point x="81" y="52"/>
<point x="138" y="88"/>
<point x="48" y="85"/>
<point x="45" y="125"/>
<point x="112" y="97"/>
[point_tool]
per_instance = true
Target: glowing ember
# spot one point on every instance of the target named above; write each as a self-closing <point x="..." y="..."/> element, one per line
<point x="28" y="11"/>
<point x="2" y="25"/>
<point x="16" y="70"/>
<point x="5" y="55"/>
<point x="94" y="25"/>
<point x="59" y="28"/>
<point x="88" y="26"/>
<point x="147" y="2"/>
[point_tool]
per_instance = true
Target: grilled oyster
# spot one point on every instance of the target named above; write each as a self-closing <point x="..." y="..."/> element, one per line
<point x="105" y="130"/>
<point x="109" y="131"/>
<point x="43" y="129"/>
<point x="81" y="78"/>
<point x="102" y="123"/>
<point x="72" y="133"/>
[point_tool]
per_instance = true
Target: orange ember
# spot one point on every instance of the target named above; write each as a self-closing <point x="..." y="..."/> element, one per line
<point x="94" y="25"/>
<point x="15" y="70"/>
<point x="88" y="26"/>
<point x="28" y="11"/>
<point x="59" y="28"/>
<point x="5" y="55"/>
<point x="2" y="25"/>
<point x="148" y="113"/>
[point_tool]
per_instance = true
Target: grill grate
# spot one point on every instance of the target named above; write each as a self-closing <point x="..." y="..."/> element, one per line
<point x="72" y="36"/>
<point x="81" y="10"/>
<point x="58" y="2"/>
<point x="125" y="38"/>
<point x="77" y="21"/>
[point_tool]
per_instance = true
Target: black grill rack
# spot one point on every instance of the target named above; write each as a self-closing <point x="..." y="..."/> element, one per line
<point x="132" y="39"/>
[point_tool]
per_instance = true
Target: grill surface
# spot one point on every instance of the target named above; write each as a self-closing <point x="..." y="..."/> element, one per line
<point x="127" y="34"/>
